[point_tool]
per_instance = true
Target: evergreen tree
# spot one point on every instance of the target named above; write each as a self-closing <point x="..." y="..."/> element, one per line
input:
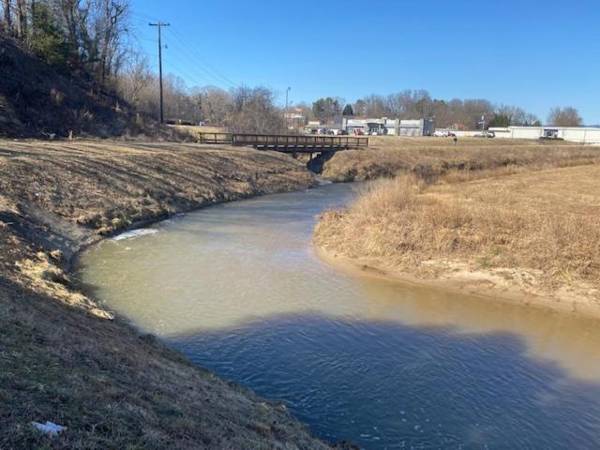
<point x="47" y="40"/>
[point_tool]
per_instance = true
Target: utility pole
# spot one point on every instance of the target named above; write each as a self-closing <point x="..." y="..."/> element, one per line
<point x="159" y="25"/>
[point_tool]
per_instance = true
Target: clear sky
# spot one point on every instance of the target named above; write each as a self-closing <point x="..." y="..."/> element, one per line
<point x="535" y="54"/>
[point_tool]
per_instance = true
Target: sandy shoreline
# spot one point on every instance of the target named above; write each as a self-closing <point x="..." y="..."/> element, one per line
<point x="486" y="285"/>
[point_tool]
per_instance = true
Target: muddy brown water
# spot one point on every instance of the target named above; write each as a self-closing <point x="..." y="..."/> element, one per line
<point x="239" y="290"/>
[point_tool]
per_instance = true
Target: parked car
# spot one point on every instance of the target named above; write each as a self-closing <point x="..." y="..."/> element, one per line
<point x="444" y="133"/>
<point x="486" y="134"/>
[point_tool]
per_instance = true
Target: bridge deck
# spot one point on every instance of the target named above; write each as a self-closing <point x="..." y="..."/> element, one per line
<point x="286" y="143"/>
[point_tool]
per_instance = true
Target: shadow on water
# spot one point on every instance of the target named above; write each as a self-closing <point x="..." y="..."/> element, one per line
<point x="386" y="385"/>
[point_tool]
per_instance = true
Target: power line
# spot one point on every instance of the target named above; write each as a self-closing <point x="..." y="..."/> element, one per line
<point x="208" y="67"/>
<point x="195" y="70"/>
<point x="178" y="69"/>
<point x="204" y="70"/>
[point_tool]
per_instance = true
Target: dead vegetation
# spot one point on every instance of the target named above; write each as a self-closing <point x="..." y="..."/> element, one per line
<point x="432" y="157"/>
<point x="536" y="232"/>
<point x="60" y="358"/>
<point x="107" y="186"/>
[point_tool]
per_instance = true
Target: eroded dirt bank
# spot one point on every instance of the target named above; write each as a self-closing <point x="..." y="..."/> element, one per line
<point x="530" y="238"/>
<point x="63" y="357"/>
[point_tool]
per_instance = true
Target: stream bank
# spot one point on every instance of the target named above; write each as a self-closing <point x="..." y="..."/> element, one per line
<point x="65" y="360"/>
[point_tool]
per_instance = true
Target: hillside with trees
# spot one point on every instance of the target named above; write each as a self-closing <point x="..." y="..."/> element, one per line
<point x="60" y="61"/>
<point x="69" y="68"/>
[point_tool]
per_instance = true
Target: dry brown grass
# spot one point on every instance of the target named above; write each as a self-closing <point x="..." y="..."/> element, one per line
<point x="195" y="131"/>
<point x="432" y="157"/>
<point x="107" y="186"/>
<point x="541" y="227"/>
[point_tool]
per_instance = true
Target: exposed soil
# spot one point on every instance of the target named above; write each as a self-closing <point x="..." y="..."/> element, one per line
<point x="63" y="357"/>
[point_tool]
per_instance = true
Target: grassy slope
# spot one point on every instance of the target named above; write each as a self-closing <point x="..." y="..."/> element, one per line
<point x="530" y="233"/>
<point x="60" y="358"/>
<point x="432" y="157"/>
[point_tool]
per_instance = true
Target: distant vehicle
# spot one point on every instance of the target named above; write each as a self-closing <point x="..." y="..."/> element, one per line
<point x="486" y="134"/>
<point x="444" y="133"/>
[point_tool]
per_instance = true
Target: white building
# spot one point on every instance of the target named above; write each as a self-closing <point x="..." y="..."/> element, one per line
<point x="583" y="135"/>
<point x="393" y="127"/>
<point x="421" y="127"/>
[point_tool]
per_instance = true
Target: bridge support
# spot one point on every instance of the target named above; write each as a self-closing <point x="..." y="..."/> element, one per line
<point x="317" y="160"/>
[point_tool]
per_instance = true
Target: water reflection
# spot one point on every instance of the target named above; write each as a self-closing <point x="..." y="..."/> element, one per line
<point x="239" y="289"/>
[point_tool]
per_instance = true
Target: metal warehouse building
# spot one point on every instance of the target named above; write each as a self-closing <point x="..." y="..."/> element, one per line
<point x="394" y="127"/>
<point x="583" y="135"/>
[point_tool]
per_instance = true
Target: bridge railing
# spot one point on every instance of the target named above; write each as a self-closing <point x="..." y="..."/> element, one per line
<point x="284" y="140"/>
<point x="215" y="138"/>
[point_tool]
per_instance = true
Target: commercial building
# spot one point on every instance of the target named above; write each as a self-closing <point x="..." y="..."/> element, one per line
<point x="583" y="135"/>
<point x="421" y="127"/>
<point x="393" y="127"/>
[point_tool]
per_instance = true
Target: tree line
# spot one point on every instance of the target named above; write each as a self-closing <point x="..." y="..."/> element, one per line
<point x="455" y="113"/>
<point x="91" y="38"/>
<point x="240" y="109"/>
<point x="84" y="37"/>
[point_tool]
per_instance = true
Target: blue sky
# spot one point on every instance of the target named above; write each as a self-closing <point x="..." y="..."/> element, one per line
<point x="534" y="54"/>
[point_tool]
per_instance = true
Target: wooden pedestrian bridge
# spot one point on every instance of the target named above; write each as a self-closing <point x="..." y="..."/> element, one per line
<point x="287" y="143"/>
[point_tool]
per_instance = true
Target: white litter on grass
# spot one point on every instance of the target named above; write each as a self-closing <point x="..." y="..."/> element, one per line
<point x="49" y="428"/>
<point x="134" y="234"/>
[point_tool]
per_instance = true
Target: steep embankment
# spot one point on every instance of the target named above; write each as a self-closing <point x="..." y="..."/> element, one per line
<point x="61" y="357"/>
<point x="38" y="100"/>
<point x="430" y="157"/>
<point x="531" y="238"/>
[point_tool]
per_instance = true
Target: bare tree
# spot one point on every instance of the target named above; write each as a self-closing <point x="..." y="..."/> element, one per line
<point x="6" y="7"/>
<point x="215" y="104"/>
<point x="327" y="109"/>
<point x="565" y="117"/>
<point x="254" y="111"/>
<point x="21" y="29"/>
<point x="109" y="31"/>
<point x="136" y="83"/>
